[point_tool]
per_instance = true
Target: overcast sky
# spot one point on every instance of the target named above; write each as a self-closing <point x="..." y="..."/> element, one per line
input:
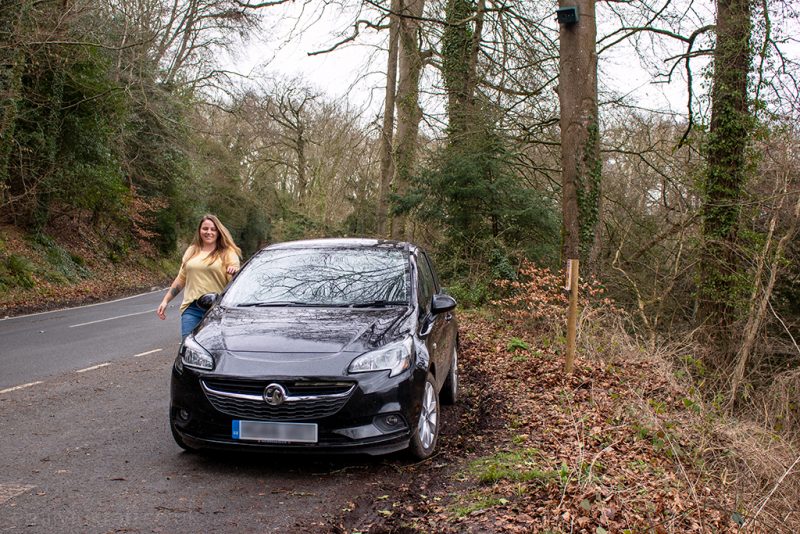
<point x="355" y="72"/>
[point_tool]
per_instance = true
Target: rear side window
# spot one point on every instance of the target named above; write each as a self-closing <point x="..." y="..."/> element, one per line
<point x="437" y="286"/>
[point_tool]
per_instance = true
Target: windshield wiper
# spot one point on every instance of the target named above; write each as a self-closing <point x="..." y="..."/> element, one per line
<point x="277" y="304"/>
<point x="289" y="303"/>
<point x="379" y="304"/>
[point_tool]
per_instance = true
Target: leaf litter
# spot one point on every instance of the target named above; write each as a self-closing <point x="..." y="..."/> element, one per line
<point x="528" y="449"/>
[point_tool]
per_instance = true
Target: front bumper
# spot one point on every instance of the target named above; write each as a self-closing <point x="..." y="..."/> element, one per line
<point x="359" y="425"/>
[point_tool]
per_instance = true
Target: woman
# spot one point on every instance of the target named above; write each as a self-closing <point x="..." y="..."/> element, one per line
<point x="207" y="267"/>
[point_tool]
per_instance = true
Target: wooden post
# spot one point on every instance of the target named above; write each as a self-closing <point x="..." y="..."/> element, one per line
<point x="572" y="315"/>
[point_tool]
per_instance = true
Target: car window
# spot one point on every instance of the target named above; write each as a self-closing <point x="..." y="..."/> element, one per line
<point x="322" y="277"/>
<point x="426" y="283"/>
<point x="436" y="284"/>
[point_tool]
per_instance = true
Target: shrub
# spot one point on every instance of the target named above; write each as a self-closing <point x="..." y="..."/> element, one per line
<point x="16" y="271"/>
<point x="536" y="298"/>
<point x="469" y="295"/>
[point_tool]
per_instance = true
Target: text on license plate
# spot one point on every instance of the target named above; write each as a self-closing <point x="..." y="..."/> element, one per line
<point x="275" y="432"/>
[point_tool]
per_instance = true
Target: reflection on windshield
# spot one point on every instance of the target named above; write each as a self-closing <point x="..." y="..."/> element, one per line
<point x="323" y="277"/>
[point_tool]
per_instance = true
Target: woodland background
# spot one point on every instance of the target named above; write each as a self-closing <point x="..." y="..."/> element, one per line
<point x="120" y="125"/>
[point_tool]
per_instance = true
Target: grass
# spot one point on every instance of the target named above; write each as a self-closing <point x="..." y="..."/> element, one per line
<point x="515" y="469"/>
<point x="477" y="502"/>
<point x="514" y="466"/>
<point x="16" y="271"/>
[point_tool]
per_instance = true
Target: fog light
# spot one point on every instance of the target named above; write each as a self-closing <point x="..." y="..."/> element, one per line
<point x="390" y="422"/>
<point x="183" y="415"/>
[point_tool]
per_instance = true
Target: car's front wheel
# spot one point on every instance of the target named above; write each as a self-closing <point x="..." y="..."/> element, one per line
<point x="423" y="442"/>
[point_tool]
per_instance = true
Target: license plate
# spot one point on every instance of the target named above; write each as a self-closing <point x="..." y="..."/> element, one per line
<point x="271" y="432"/>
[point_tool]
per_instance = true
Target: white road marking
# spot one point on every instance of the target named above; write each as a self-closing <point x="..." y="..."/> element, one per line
<point x="15" y="388"/>
<point x="146" y="353"/>
<point x="9" y="491"/>
<point x="92" y="368"/>
<point x="78" y="307"/>
<point x="111" y="318"/>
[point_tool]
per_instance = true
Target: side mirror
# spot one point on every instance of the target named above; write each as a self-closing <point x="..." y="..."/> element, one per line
<point x="442" y="303"/>
<point x="208" y="300"/>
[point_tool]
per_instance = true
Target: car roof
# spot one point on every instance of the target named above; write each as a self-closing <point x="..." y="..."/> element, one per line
<point x="344" y="243"/>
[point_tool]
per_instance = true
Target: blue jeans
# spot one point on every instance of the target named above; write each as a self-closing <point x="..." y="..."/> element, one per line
<point x="190" y="318"/>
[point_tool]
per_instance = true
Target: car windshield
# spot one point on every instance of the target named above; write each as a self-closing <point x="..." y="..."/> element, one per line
<point x="323" y="277"/>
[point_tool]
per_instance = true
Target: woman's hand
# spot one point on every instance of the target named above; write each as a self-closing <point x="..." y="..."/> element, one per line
<point x="232" y="269"/>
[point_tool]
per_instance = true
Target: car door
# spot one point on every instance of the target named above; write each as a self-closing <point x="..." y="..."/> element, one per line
<point x="437" y="339"/>
<point x="450" y="327"/>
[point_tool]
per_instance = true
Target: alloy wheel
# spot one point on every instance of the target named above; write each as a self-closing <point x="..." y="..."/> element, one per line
<point x="428" y="418"/>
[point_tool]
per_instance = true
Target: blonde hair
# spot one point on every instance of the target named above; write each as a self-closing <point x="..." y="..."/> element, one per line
<point x="224" y="240"/>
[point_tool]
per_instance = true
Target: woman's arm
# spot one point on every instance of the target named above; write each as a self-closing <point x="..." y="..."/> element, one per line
<point x="176" y="286"/>
<point x="232" y="263"/>
<point x="172" y="292"/>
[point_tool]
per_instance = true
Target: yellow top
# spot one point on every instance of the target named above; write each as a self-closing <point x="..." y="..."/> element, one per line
<point x="199" y="277"/>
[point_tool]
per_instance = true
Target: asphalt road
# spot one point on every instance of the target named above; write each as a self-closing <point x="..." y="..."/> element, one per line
<point x="38" y="346"/>
<point x="88" y="449"/>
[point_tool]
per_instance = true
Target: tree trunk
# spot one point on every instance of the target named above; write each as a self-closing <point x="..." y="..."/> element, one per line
<point x="387" y="158"/>
<point x="408" y="110"/>
<point x="580" y="137"/>
<point x="458" y="68"/>
<point x="11" y="63"/>
<point x="725" y="177"/>
<point x="468" y="126"/>
<point x="300" y="147"/>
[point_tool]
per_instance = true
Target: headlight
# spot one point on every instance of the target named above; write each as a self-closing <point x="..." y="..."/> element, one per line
<point x="395" y="358"/>
<point x="193" y="355"/>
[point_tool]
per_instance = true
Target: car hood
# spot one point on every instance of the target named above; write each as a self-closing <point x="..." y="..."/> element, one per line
<point x="295" y="341"/>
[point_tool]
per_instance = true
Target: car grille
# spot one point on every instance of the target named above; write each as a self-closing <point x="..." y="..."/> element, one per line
<point x="304" y="400"/>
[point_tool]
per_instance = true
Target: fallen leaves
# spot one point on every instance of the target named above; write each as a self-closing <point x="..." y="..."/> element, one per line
<point x="598" y="451"/>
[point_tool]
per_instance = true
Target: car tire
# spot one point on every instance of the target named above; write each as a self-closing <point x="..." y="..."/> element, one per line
<point x="426" y="432"/>
<point x="449" y="394"/>
<point x="179" y="440"/>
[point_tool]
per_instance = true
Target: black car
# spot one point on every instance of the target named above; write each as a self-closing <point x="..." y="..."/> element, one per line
<point x="329" y="345"/>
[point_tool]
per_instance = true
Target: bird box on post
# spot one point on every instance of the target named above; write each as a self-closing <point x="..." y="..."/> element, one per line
<point x="567" y="15"/>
